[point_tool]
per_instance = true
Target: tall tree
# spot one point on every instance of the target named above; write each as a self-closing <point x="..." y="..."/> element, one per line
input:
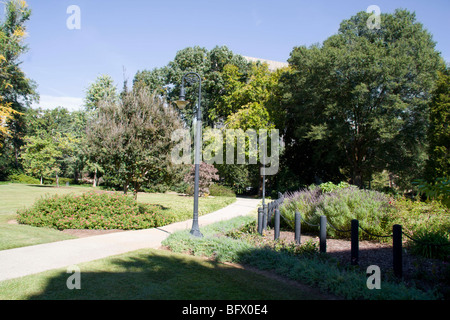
<point x="17" y="92"/>
<point x="103" y="88"/>
<point x="43" y="154"/>
<point x="209" y="64"/>
<point x="361" y="98"/>
<point x="438" y="163"/>
<point x="131" y="138"/>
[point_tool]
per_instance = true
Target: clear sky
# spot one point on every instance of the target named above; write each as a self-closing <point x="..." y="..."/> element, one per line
<point x="136" y="34"/>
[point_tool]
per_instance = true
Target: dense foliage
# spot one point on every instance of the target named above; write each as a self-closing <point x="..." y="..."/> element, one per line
<point x="94" y="210"/>
<point x="131" y="138"/>
<point x="358" y="103"/>
<point x="17" y="91"/>
<point x="364" y="103"/>
<point x="376" y="212"/>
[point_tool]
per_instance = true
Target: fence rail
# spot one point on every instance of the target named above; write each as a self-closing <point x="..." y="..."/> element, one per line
<point x="266" y="212"/>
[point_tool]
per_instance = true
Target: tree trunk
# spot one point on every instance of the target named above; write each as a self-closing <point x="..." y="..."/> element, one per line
<point x="94" y="184"/>
<point x="57" y="181"/>
<point x="42" y="178"/>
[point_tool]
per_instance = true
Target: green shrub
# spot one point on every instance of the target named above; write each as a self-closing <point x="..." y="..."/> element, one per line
<point x="370" y="208"/>
<point x="438" y="190"/>
<point x="218" y="190"/>
<point x="94" y="211"/>
<point x="330" y="186"/>
<point x="340" y="204"/>
<point x="62" y="181"/>
<point x="23" y="178"/>
<point x="416" y="215"/>
<point x="430" y="244"/>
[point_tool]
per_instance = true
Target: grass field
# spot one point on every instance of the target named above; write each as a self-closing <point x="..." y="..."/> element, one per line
<point x="14" y="196"/>
<point x="152" y="275"/>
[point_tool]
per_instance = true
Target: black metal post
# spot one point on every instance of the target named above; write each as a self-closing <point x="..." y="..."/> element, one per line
<point x="355" y="242"/>
<point x="298" y="226"/>
<point x="264" y="226"/>
<point x="266" y="213"/>
<point x="276" y="235"/>
<point x="323" y="234"/>
<point x="397" y="250"/>
<point x="260" y="220"/>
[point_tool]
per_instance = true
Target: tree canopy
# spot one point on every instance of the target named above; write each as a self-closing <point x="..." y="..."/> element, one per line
<point x="358" y="103"/>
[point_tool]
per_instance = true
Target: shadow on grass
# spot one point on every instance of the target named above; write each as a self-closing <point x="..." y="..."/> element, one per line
<point x="159" y="275"/>
<point x="42" y="186"/>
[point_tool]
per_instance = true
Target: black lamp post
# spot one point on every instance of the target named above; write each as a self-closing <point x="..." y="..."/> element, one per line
<point x="193" y="77"/>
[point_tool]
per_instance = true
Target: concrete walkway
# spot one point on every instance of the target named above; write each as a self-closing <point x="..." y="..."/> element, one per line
<point x="23" y="261"/>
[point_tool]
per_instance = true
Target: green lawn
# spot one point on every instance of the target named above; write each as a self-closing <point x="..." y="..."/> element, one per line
<point x="14" y="196"/>
<point x="154" y="275"/>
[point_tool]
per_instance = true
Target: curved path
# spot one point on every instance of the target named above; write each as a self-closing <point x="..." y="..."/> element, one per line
<point x="23" y="261"/>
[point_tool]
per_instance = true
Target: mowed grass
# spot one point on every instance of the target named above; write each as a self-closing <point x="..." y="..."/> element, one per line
<point x="152" y="275"/>
<point x="14" y="196"/>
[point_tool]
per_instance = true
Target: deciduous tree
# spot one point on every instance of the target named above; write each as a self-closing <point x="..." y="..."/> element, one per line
<point x="359" y="102"/>
<point x="131" y="138"/>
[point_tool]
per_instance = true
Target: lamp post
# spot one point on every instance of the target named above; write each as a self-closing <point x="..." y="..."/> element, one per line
<point x="181" y="103"/>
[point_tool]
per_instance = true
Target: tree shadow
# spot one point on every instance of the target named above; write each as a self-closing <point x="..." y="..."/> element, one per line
<point x="157" y="275"/>
<point x="42" y="186"/>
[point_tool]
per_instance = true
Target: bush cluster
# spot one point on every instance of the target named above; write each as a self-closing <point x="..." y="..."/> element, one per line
<point x="94" y="210"/>
<point x="218" y="190"/>
<point x="428" y="222"/>
<point x="22" y="178"/>
<point x="340" y="204"/>
<point x="207" y="176"/>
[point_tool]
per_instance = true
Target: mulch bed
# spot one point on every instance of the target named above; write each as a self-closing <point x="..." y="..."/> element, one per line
<point x="426" y="273"/>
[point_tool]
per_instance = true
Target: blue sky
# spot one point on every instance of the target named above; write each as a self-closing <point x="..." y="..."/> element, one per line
<point x="137" y="34"/>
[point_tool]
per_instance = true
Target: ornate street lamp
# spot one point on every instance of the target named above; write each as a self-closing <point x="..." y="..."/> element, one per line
<point x="182" y="103"/>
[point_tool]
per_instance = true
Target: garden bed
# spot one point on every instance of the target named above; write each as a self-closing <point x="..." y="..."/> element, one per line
<point x="424" y="272"/>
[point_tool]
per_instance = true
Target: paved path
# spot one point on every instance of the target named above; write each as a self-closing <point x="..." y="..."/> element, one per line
<point x="23" y="261"/>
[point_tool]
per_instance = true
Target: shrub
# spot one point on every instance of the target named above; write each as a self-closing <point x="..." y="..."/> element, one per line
<point x="430" y="244"/>
<point x="218" y="190"/>
<point x="371" y="208"/>
<point x="438" y="190"/>
<point x="415" y="215"/>
<point x="340" y="204"/>
<point x="207" y="176"/>
<point x="23" y="178"/>
<point x="94" y="211"/>
<point x="330" y="186"/>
